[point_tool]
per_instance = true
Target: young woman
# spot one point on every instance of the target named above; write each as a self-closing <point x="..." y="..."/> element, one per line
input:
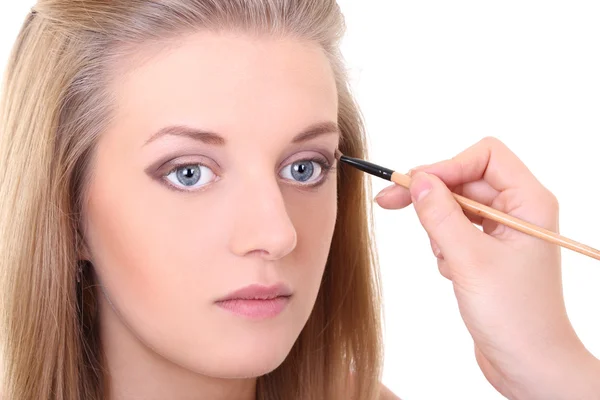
<point x="175" y="225"/>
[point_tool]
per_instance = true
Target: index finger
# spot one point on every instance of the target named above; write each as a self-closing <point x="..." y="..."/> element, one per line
<point x="489" y="160"/>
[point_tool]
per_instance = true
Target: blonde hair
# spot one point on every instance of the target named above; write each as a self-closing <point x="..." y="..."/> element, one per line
<point x="55" y="104"/>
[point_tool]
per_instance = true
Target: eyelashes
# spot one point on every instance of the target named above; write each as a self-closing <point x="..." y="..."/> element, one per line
<point x="190" y="175"/>
<point x="309" y="173"/>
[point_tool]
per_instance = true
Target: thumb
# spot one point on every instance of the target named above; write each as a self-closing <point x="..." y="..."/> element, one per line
<point x="443" y="218"/>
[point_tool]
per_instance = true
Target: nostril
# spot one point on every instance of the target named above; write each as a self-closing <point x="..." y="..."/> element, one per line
<point x="258" y="253"/>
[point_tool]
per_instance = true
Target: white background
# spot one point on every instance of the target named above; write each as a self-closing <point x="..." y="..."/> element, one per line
<point x="432" y="78"/>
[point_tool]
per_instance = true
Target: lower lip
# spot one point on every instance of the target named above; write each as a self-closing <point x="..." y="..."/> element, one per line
<point x="255" y="309"/>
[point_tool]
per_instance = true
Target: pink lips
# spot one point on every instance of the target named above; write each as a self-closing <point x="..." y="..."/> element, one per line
<point x="257" y="301"/>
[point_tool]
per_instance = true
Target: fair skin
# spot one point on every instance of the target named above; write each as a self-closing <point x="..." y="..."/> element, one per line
<point x="166" y="243"/>
<point x="162" y="267"/>
<point x="507" y="284"/>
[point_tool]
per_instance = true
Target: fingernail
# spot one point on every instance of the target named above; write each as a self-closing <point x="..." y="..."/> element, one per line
<point x="420" y="187"/>
<point x="383" y="192"/>
<point x="436" y="249"/>
<point x="412" y="171"/>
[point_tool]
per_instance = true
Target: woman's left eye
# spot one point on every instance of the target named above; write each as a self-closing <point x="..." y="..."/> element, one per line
<point x="303" y="171"/>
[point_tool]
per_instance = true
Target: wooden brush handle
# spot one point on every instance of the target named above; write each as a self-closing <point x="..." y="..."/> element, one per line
<point x="510" y="221"/>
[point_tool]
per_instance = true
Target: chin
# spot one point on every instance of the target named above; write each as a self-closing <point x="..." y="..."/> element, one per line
<point x="247" y="363"/>
<point x="247" y="354"/>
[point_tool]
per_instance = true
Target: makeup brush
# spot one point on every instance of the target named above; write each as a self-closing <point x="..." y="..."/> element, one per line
<point x="476" y="208"/>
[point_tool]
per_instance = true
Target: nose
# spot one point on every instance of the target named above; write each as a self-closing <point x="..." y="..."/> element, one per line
<point x="262" y="224"/>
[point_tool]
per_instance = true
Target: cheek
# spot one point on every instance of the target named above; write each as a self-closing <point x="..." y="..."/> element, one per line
<point x="314" y="221"/>
<point x="314" y="216"/>
<point x="148" y="244"/>
<point x="162" y="257"/>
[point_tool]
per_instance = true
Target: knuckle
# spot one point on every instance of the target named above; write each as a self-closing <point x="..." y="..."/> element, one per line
<point x="435" y="216"/>
<point x="495" y="144"/>
<point x="444" y="269"/>
<point x="491" y="141"/>
<point x="551" y="201"/>
<point x="461" y="165"/>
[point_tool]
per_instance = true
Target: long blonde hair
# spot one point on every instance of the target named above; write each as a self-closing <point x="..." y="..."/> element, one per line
<point x="54" y="107"/>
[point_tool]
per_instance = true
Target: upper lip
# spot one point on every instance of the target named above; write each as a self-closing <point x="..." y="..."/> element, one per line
<point x="259" y="292"/>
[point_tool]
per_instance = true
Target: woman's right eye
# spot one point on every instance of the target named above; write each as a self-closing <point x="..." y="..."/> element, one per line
<point x="191" y="176"/>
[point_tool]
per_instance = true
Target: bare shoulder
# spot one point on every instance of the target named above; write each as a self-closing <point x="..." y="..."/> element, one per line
<point x="387" y="394"/>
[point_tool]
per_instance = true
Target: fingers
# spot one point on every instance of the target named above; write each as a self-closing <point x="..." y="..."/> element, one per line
<point x="490" y="173"/>
<point x="480" y="191"/>
<point x="444" y="220"/>
<point x="435" y="248"/>
<point x="393" y="197"/>
<point x="443" y="267"/>
<point x="397" y="197"/>
<point x="489" y="160"/>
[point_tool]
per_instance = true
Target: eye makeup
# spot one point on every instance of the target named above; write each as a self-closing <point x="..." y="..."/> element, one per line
<point x="324" y="166"/>
<point x="178" y="172"/>
<point x="162" y="169"/>
<point x="320" y="154"/>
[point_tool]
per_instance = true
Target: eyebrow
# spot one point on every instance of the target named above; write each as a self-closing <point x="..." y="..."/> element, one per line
<point x="213" y="138"/>
<point x="187" y="131"/>
<point x="316" y="130"/>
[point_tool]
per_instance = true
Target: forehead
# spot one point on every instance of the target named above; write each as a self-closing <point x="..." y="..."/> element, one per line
<point x="224" y="81"/>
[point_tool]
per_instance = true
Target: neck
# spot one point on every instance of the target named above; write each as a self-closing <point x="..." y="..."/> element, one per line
<point x="136" y="371"/>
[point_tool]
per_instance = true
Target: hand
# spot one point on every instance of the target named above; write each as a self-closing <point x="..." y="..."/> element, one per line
<point x="508" y="284"/>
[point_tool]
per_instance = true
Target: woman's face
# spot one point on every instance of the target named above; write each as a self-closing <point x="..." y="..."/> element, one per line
<point x="215" y="175"/>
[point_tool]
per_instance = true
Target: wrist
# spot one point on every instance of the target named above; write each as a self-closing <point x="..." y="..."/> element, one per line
<point x="571" y="375"/>
<point x="583" y="379"/>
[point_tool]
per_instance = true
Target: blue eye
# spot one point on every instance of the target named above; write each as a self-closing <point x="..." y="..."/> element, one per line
<point x="191" y="176"/>
<point x="303" y="171"/>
